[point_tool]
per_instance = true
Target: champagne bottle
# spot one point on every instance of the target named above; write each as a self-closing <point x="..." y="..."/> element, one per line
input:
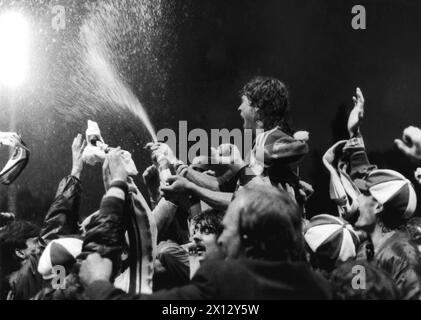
<point x="166" y="169"/>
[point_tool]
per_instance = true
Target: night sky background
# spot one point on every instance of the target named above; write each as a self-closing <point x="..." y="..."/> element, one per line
<point x="205" y="51"/>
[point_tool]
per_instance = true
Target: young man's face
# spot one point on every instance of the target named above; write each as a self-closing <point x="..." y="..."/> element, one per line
<point x="230" y="239"/>
<point x="248" y="114"/>
<point x="368" y="209"/>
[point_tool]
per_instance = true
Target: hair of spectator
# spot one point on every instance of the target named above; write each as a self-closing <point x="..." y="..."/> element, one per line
<point x="13" y="237"/>
<point x="271" y="98"/>
<point x="270" y="224"/>
<point x="211" y="218"/>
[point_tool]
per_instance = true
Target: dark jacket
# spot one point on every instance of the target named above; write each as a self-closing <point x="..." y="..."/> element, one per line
<point x="398" y="255"/>
<point x="61" y="220"/>
<point x="401" y="259"/>
<point x="106" y="236"/>
<point x="235" y="279"/>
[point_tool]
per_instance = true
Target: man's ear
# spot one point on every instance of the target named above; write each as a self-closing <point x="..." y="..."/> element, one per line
<point x="378" y="208"/>
<point x="20" y="254"/>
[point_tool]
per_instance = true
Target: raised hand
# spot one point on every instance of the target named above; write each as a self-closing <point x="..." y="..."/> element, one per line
<point x="357" y="114"/>
<point x="78" y="146"/>
<point x="410" y="144"/>
<point x="95" y="268"/>
<point x="177" y="190"/>
<point x="306" y="190"/>
<point x="177" y="184"/>
<point x="117" y="170"/>
<point x="161" y="150"/>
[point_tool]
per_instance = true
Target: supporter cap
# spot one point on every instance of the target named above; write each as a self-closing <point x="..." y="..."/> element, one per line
<point x="60" y="252"/>
<point x="392" y="189"/>
<point x="331" y="239"/>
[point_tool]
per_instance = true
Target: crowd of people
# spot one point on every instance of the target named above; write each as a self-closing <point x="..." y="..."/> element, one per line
<point x="226" y="228"/>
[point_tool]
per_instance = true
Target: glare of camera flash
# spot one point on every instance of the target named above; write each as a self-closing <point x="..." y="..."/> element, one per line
<point x="14" y="47"/>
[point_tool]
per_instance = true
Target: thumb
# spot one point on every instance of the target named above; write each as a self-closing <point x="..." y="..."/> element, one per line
<point x="403" y="147"/>
<point x="172" y="179"/>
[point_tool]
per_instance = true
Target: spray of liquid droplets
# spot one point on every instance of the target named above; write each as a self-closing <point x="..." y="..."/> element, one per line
<point x="111" y="87"/>
<point x="119" y="48"/>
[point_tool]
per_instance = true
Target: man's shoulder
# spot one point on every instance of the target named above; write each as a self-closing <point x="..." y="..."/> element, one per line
<point x="400" y="246"/>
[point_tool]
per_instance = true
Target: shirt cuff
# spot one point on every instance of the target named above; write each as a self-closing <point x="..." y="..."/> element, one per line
<point x="117" y="189"/>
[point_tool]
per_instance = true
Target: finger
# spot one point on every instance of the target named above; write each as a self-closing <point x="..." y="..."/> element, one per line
<point x="105" y="164"/>
<point x="360" y="95"/>
<point x="403" y="147"/>
<point x="407" y="136"/>
<point x="172" y="179"/>
<point x="166" y="189"/>
<point x="210" y="173"/>
<point x="302" y="193"/>
<point x="290" y="189"/>
<point x="412" y="132"/>
<point x="148" y="170"/>
<point x="182" y="170"/>
<point x="84" y="144"/>
<point x="76" y="140"/>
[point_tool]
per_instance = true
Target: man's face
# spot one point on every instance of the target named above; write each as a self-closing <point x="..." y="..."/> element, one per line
<point x="230" y="239"/>
<point x="204" y="239"/>
<point x="248" y="113"/>
<point x="32" y="248"/>
<point x="368" y="209"/>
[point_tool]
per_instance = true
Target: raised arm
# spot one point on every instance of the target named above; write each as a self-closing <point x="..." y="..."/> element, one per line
<point x="62" y="217"/>
<point x="105" y="232"/>
<point x="217" y="200"/>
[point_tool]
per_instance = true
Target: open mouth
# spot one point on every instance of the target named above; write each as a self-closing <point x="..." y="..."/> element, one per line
<point x="196" y="249"/>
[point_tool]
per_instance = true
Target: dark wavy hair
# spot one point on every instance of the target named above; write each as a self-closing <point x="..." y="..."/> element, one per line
<point x="270" y="97"/>
<point x="270" y="224"/>
<point x="210" y="219"/>
<point x="12" y="237"/>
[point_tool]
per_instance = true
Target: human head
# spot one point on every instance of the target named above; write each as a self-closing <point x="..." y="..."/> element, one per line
<point x="265" y="104"/>
<point x="60" y="252"/>
<point x="206" y="228"/>
<point x="387" y="198"/>
<point x="262" y="223"/>
<point x="330" y="241"/>
<point x="18" y="240"/>
<point x="362" y="280"/>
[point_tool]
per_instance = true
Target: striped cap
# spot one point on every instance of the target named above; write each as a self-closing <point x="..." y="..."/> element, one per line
<point x="60" y="252"/>
<point x="392" y="189"/>
<point x="331" y="239"/>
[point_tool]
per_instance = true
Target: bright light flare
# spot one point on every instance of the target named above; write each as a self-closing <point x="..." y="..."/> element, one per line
<point x="14" y="47"/>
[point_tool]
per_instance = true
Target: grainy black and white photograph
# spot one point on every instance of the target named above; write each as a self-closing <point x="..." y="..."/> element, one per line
<point x="223" y="151"/>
